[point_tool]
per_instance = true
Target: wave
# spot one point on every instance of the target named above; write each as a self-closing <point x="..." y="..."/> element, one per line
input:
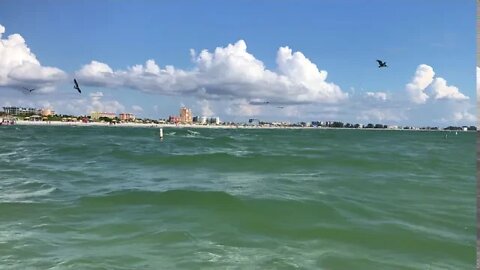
<point x="235" y="159"/>
<point x="170" y="197"/>
<point x="19" y="196"/>
<point x="268" y="215"/>
<point x="198" y="198"/>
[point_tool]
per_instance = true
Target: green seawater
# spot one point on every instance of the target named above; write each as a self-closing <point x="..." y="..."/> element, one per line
<point x="121" y="198"/>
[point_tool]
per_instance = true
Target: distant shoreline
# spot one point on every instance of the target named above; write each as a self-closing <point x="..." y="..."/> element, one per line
<point x="142" y="125"/>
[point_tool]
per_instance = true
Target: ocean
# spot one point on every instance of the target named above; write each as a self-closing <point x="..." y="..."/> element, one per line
<point x="121" y="198"/>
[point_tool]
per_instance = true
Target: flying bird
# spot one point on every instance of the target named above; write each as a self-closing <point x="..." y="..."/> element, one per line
<point x="280" y="107"/>
<point x="30" y="90"/>
<point x="381" y="64"/>
<point x="259" y="102"/>
<point x="76" y="86"/>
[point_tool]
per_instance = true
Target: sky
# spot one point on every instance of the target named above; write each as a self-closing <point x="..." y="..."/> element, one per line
<point x="270" y="60"/>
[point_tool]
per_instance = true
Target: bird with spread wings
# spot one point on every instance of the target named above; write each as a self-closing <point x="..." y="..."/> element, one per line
<point x="76" y="86"/>
<point x="381" y="63"/>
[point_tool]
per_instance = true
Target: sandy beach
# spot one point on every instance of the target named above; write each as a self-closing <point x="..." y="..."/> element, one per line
<point x="151" y="125"/>
<point x="139" y="125"/>
<point x="193" y="126"/>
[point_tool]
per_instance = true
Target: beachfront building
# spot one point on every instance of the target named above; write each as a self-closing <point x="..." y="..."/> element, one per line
<point x="35" y="118"/>
<point x="127" y="117"/>
<point x="203" y="120"/>
<point x="185" y="115"/>
<point x="214" y="120"/>
<point x="97" y="115"/>
<point x="11" y="110"/>
<point x="173" y="119"/>
<point x="47" y="112"/>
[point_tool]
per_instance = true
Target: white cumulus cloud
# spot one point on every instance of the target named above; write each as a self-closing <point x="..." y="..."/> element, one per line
<point x="381" y="115"/>
<point x="440" y="90"/>
<point x="377" y="95"/>
<point x="242" y="108"/>
<point x="421" y="80"/>
<point x="97" y="104"/>
<point x="464" y="116"/>
<point x="99" y="74"/>
<point x="205" y="108"/>
<point x="19" y="67"/>
<point x="424" y="85"/>
<point x="227" y="72"/>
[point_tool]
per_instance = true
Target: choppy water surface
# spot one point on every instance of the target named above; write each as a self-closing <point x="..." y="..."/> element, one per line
<point x="119" y="198"/>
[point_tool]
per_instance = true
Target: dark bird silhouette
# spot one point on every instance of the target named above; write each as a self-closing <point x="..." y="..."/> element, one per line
<point x="381" y="64"/>
<point x="76" y="86"/>
<point x="280" y="107"/>
<point x="29" y="90"/>
<point x="259" y="102"/>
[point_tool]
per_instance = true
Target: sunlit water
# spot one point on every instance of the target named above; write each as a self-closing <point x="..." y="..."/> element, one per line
<point x="120" y="198"/>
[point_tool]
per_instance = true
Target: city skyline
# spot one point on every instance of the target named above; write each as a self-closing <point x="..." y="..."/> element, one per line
<point x="234" y="65"/>
<point x="186" y="117"/>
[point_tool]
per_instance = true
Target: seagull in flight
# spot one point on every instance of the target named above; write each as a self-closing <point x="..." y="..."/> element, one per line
<point x="76" y="86"/>
<point x="259" y="102"/>
<point x="381" y="64"/>
<point x="30" y="90"/>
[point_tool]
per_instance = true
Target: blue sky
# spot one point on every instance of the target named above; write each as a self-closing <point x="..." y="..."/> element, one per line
<point x="343" y="38"/>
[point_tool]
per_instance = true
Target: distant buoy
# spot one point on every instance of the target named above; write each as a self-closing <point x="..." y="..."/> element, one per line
<point x="161" y="133"/>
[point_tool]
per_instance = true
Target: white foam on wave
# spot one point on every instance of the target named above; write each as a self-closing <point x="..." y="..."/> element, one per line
<point x="197" y="137"/>
<point x="8" y="154"/>
<point x="239" y="153"/>
<point x="18" y="196"/>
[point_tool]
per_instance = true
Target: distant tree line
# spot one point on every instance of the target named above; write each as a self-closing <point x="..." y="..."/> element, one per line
<point x="337" y="124"/>
<point x="460" y="128"/>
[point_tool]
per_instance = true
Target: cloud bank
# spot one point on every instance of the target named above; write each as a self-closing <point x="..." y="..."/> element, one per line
<point x="226" y="73"/>
<point x="20" y="68"/>
<point x="424" y="86"/>
<point x="97" y="104"/>
<point x="381" y="96"/>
